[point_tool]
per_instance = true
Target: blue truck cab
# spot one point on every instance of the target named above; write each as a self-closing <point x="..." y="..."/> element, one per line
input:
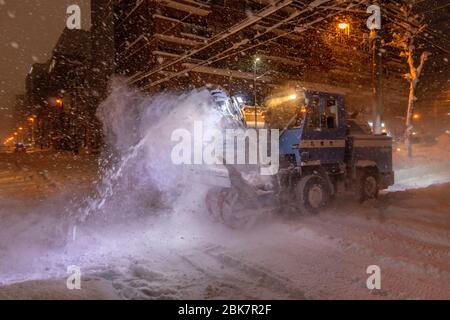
<point x="326" y="151"/>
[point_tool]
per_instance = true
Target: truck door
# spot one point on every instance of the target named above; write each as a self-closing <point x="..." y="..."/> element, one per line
<point x="323" y="137"/>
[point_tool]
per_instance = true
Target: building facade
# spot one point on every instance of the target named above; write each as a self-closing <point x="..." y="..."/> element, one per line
<point x="181" y="44"/>
<point x="58" y="93"/>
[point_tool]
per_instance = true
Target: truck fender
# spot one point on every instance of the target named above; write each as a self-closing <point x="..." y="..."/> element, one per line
<point x="361" y="165"/>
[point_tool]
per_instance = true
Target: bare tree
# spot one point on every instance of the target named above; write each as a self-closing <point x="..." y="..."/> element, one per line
<point x="408" y="27"/>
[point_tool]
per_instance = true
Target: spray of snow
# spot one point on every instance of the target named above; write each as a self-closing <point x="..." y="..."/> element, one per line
<point x="139" y="184"/>
<point x="141" y="178"/>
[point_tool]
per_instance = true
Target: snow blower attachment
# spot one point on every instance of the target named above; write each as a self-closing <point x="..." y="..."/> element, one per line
<point x="322" y="154"/>
<point x="240" y="205"/>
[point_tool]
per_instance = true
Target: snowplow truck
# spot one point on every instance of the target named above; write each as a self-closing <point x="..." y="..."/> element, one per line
<point x="330" y="152"/>
<point x="323" y="152"/>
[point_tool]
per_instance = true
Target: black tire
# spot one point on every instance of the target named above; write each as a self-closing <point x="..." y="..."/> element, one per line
<point x="313" y="194"/>
<point x="367" y="187"/>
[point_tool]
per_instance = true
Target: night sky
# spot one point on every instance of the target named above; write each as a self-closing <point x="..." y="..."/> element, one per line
<point x="29" y="30"/>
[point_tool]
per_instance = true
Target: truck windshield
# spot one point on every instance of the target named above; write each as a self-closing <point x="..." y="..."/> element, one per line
<point x="288" y="114"/>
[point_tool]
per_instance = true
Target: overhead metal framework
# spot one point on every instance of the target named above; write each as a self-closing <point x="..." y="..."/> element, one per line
<point x="257" y="41"/>
<point x="279" y="19"/>
<point x="276" y="19"/>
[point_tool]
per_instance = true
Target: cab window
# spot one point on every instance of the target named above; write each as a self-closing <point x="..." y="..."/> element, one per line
<point x="314" y="114"/>
<point x="331" y="114"/>
<point x="323" y="117"/>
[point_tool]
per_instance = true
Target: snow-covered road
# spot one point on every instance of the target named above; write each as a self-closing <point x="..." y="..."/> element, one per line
<point x="181" y="254"/>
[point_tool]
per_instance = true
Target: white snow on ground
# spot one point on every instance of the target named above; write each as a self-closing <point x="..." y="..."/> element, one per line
<point x="429" y="165"/>
<point x="140" y="236"/>
<point x="186" y="256"/>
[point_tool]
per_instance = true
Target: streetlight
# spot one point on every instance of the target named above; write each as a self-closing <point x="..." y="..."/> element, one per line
<point x="255" y="65"/>
<point x="58" y="102"/>
<point x="31" y="120"/>
<point x="344" y="26"/>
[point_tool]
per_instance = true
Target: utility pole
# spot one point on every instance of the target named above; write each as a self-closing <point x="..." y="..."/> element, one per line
<point x="254" y="89"/>
<point x="377" y="71"/>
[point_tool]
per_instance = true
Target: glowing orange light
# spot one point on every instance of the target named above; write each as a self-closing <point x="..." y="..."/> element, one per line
<point x="58" y="102"/>
<point x="416" y="116"/>
<point x="344" y="26"/>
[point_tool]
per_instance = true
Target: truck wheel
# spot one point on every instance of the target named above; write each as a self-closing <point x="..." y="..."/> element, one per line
<point x="313" y="193"/>
<point x="368" y="186"/>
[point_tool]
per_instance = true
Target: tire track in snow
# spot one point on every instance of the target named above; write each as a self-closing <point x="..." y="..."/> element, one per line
<point x="264" y="277"/>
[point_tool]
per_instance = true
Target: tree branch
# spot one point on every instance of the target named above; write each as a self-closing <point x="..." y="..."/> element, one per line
<point x="423" y="58"/>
